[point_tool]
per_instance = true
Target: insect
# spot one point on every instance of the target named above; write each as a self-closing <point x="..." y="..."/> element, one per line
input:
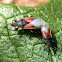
<point x="35" y="23"/>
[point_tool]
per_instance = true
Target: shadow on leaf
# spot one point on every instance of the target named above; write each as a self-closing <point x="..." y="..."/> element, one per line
<point x="37" y="33"/>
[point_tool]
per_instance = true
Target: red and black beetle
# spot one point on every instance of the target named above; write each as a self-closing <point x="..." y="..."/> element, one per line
<point x="35" y="23"/>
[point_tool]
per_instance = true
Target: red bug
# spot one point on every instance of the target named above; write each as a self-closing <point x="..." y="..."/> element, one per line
<point x="34" y="23"/>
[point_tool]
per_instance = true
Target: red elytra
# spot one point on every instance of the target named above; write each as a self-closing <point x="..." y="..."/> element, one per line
<point x="49" y="32"/>
<point x="29" y="19"/>
<point x="44" y="33"/>
<point x="29" y="26"/>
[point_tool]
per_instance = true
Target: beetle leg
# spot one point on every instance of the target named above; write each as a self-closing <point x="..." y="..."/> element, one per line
<point x="44" y="45"/>
<point x="31" y="16"/>
<point x="42" y="38"/>
<point x="25" y="16"/>
<point x="16" y="28"/>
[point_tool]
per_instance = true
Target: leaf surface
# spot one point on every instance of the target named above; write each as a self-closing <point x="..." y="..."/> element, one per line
<point x="16" y="46"/>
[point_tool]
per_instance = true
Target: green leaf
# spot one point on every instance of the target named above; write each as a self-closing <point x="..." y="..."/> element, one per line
<point x="16" y="46"/>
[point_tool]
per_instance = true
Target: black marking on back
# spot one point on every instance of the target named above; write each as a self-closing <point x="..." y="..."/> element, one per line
<point x="48" y="40"/>
<point x="24" y="22"/>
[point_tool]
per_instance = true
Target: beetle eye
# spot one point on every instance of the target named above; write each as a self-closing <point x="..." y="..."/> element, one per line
<point x="12" y="24"/>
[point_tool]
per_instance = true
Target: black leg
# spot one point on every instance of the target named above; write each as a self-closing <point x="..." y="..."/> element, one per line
<point x="31" y="16"/>
<point x="44" y="45"/>
<point x="16" y="28"/>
